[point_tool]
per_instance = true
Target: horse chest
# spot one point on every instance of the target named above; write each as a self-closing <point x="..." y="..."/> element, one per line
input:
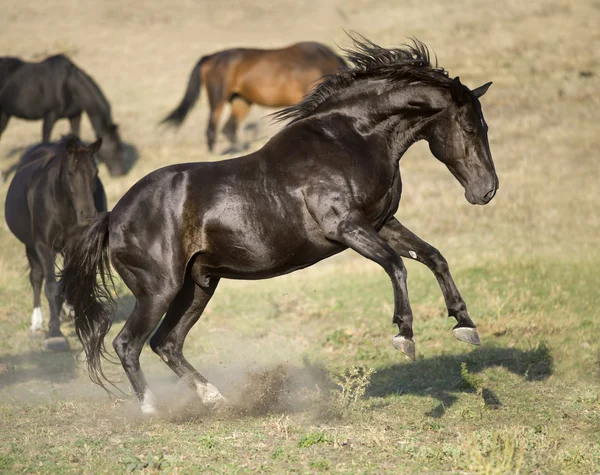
<point x="379" y="211"/>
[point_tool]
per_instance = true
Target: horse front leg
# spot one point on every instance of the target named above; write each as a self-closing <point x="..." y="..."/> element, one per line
<point x="75" y="121"/>
<point x="356" y="232"/>
<point x="408" y="244"/>
<point x="55" y="340"/>
<point x="49" y="120"/>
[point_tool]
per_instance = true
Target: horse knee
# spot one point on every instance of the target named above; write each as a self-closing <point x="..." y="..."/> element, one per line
<point x="439" y="264"/>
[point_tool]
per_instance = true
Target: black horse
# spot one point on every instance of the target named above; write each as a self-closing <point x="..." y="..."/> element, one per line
<point x="55" y="188"/>
<point x="328" y="181"/>
<point x="53" y="89"/>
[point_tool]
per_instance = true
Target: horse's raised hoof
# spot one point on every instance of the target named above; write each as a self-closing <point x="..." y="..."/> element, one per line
<point x="405" y="345"/>
<point x="56" y="343"/>
<point x="467" y="334"/>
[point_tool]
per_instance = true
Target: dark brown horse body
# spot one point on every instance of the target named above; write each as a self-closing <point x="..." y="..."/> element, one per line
<point x="244" y="76"/>
<point x="55" y="188"/>
<point x="327" y="182"/>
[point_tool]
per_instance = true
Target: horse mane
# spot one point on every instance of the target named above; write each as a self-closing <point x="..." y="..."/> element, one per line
<point x="410" y="63"/>
<point x="95" y="94"/>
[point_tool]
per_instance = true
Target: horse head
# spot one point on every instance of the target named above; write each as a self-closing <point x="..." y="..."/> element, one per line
<point x="79" y="177"/>
<point x="458" y="138"/>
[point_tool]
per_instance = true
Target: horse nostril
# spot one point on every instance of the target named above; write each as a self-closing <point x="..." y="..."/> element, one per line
<point x="490" y="194"/>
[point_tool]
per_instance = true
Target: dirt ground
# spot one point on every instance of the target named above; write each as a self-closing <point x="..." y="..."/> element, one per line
<point x="527" y="263"/>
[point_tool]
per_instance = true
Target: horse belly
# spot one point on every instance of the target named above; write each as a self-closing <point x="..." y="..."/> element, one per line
<point x="29" y="101"/>
<point x="278" y="88"/>
<point x="16" y="210"/>
<point x="262" y="246"/>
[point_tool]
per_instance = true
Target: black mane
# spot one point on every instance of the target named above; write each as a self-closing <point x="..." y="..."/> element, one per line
<point x="367" y="60"/>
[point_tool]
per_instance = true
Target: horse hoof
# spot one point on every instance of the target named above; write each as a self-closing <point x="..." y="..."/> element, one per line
<point x="211" y="396"/>
<point x="56" y="343"/>
<point x="405" y="345"/>
<point x="466" y="334"/>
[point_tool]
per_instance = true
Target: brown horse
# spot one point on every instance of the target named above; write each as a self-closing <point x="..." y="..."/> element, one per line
<point x="243" y="76"/>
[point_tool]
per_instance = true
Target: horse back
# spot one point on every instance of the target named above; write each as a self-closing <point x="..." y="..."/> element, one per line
<point x="280" y="77"/>
<point x="34" y="89"/>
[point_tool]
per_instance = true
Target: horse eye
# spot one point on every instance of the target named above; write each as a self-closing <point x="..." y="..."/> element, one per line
<point x="470" y="132"/>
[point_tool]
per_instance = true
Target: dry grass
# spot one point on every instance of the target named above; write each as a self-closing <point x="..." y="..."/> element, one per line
<point x="527" y="263"/>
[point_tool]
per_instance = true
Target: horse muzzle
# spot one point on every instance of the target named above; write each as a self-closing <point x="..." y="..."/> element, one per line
<point x="481" y="197"/>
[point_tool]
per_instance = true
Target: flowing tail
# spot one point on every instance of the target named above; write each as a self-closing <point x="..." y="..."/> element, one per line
<point x="91" y="300"/>
<point x="189" y="99"/>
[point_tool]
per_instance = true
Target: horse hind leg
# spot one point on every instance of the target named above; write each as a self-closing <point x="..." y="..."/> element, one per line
<point x="239" y="110"/>
<point x="128" y="344"/>
<point x="168" y="340"/>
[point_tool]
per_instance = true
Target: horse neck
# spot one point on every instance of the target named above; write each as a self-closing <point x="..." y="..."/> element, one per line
<point x="93" y="102"/>
<point x="390" y="117"/>
<point x="54" y="176"/>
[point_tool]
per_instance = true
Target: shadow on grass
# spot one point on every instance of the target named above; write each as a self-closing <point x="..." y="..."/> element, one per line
<point x="440" y="377"/>
<point x="39" y="366"/>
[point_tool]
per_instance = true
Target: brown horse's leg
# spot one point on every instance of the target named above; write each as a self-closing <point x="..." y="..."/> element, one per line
<point x="167" y="341"/>
<point x="216" y="100"/>
<point x="239" y="110"/>
<point x="356" y="232"/>
<point x="408" y="244"/>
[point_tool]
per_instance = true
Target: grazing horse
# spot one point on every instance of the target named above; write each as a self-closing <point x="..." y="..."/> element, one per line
<point x="55" y="188"/>
<point x="53" y="89"/>
<point x="242" y="76"/>
<point x="328" y="181"/>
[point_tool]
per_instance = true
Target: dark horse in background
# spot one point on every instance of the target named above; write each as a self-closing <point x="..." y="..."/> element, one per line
<point x="242" y="76"/>
<point x="53" y="89"/>
<point x="327" y="182"/>
<point x="55" y="188"/>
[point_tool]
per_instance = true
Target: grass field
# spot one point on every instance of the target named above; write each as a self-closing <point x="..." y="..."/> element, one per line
<point x="306" y="359"/>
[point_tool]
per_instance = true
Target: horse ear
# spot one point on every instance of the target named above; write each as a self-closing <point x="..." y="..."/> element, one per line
<point x="481" y="90"/>
<point x="93" y="148"/>
<point x="458" y="91"/>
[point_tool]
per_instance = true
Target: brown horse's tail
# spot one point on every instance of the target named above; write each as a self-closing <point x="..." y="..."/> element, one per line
<point x="189" y="99"/>
<point x="91" y="300"/>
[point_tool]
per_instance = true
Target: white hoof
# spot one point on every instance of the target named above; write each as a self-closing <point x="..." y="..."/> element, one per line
<point x="210" y="395"/>
<point x="148" y="405"/>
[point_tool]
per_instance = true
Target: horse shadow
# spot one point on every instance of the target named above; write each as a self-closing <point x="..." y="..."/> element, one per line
<point x="43" y="366"/>
<point x="442" y="377"/>
<point x="131" y="155"/>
